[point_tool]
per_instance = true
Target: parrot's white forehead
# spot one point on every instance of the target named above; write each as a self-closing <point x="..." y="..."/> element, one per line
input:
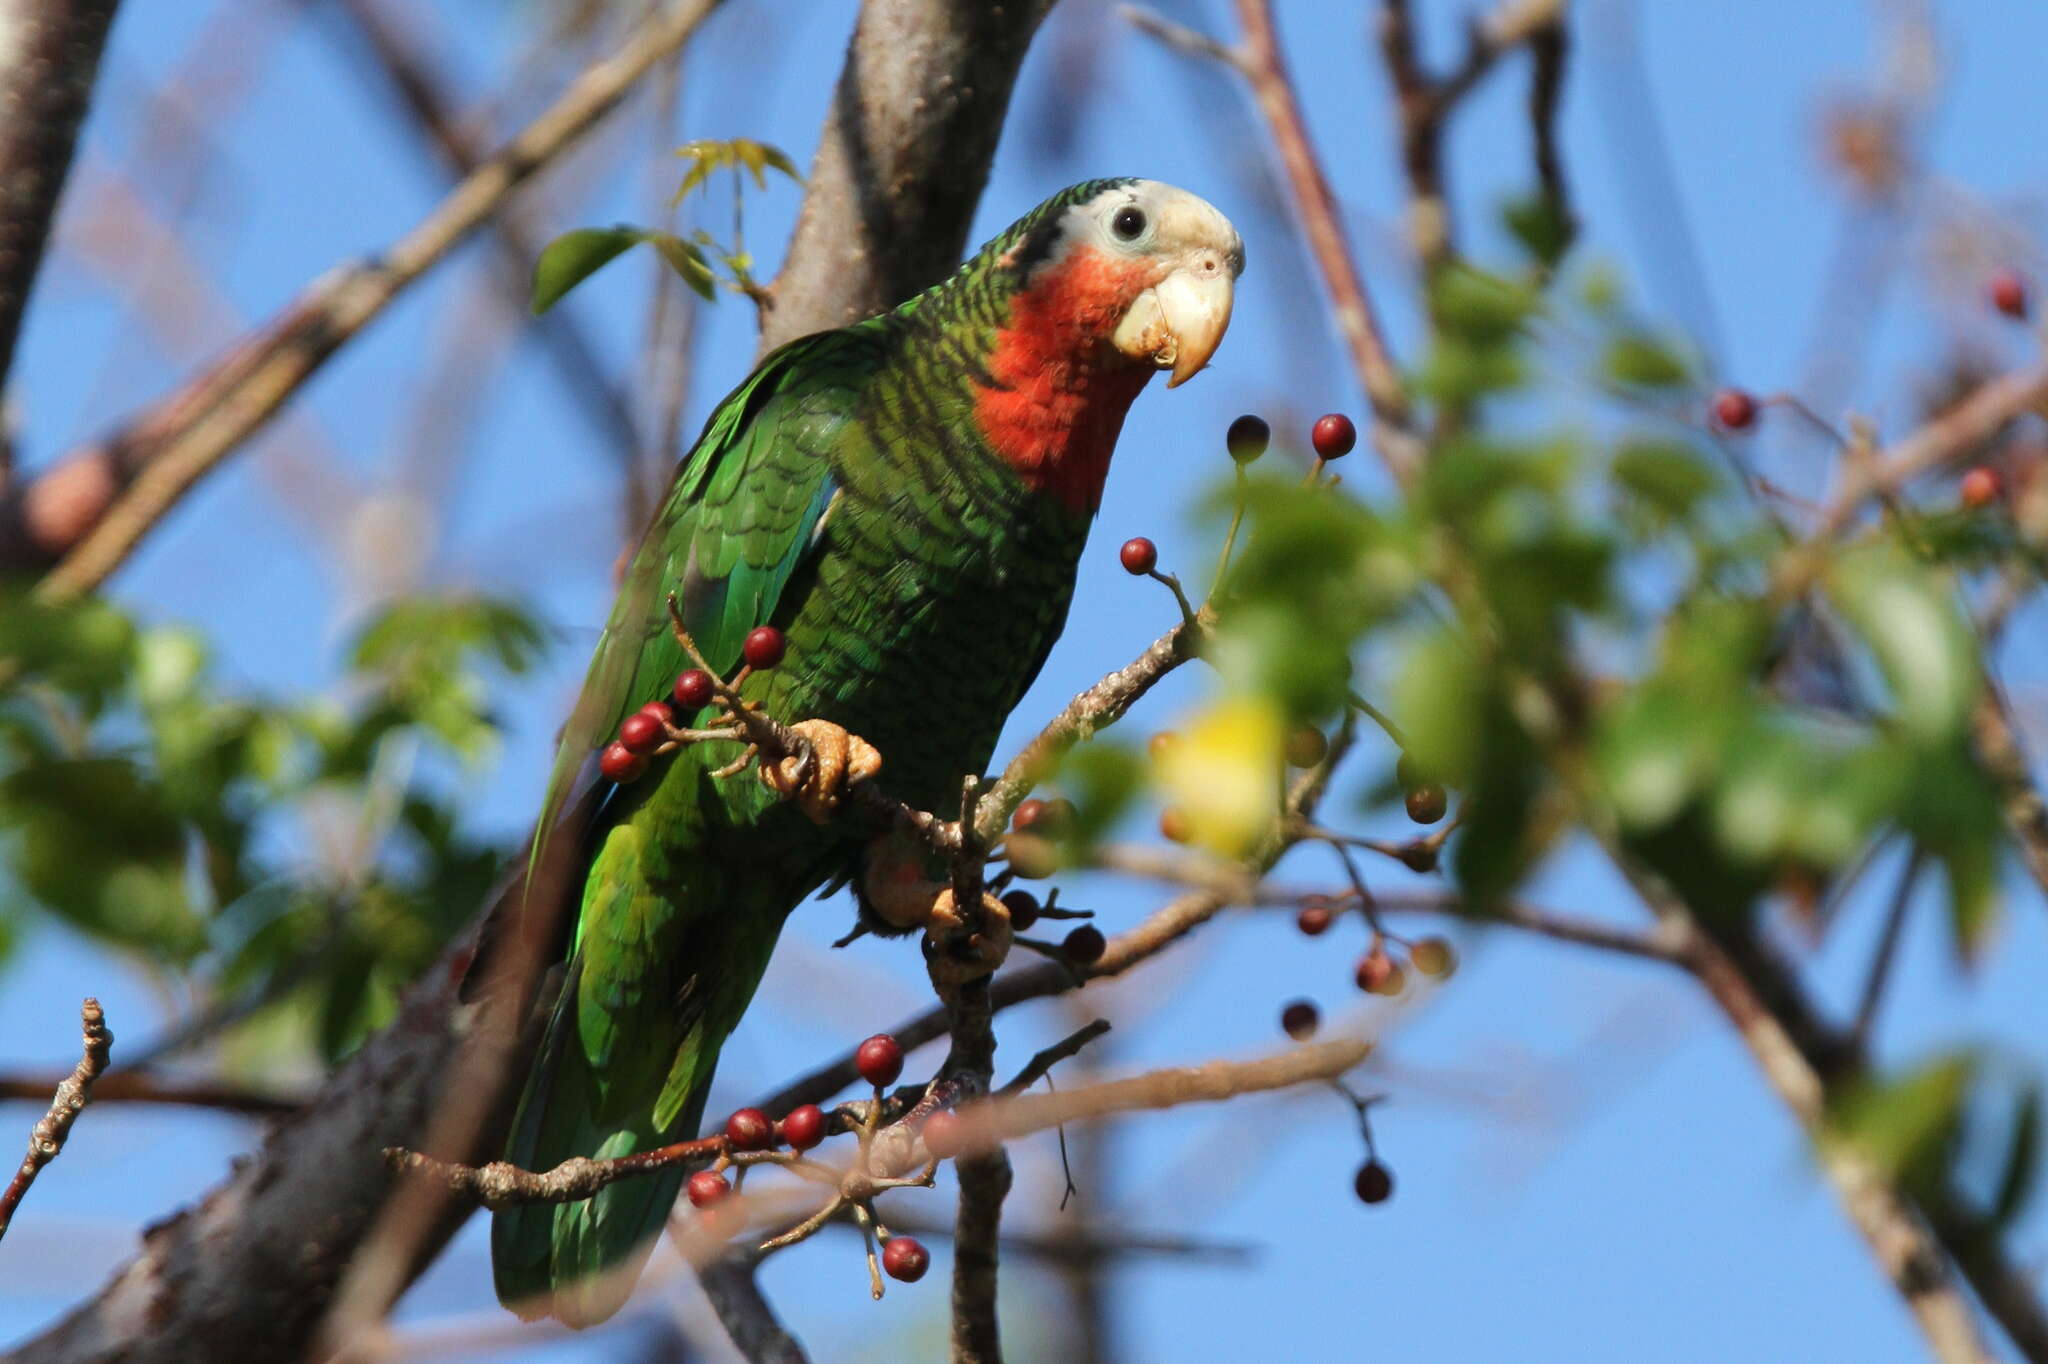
<point x="1173" y="222"/>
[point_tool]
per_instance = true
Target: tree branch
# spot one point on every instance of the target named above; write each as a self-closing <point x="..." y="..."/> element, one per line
<point x="1799" y="1056"/>
<point x="902" y="160"/>
<point x="95" y="506"/>
<point x="422" y="93"/>
<point x="49" y="61"/>
<point x="46" y="1140"/>
<point x="745" y="1312"/>
<point x="128" y="1085"/>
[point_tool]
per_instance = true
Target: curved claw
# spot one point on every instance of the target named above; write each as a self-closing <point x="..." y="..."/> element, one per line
<point x="826" y="761"/>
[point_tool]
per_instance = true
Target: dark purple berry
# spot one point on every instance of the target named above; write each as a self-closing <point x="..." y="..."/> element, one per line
<point x="1426" y="804"/>
<point x="1374" y="1184"/>
<point x="1085" y="945"/>
<point x="1247" y="438"/>
<point x="1023" y="907"/>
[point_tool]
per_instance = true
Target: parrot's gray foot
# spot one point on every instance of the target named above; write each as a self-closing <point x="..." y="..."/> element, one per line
<point x="828" y="759"/>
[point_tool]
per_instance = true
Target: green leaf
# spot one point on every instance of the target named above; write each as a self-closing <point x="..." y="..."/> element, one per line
<point x="1927" y="651"/>
<point x="688" y="261"/>
<point x="1538" y="225"/>
<point x="574" y="257"/>
<point x="1644" y="362"/>
<point x="1907" y="1126"/>
<point x="1666" y="477"/>
<point x="2023" y="1158"/>
<point x="1482" y="309"/>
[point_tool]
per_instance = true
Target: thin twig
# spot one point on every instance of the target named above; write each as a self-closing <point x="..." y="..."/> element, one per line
<point x="130" y="1085"/>
<point x="46" y="1139"/>
<point x="1321" y="222"/>
<point x="422" y="92"/>
<point x="1887" y="947"/>
<point x="171" y="446"/>
<point x="1257" y="59"/>
<point x="1040" y="1065"/>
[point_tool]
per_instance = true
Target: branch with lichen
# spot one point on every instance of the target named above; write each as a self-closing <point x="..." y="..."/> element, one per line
<point x="46" y="1139"/>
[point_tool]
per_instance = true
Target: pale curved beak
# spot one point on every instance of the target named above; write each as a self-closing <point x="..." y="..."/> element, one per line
<point x="1178" y="323"/>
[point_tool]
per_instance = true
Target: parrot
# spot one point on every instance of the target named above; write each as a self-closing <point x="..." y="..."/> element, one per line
<point x="906" y="500"/>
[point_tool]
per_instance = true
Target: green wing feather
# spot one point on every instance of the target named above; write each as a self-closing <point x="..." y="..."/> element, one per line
<point x="738" y="519"/>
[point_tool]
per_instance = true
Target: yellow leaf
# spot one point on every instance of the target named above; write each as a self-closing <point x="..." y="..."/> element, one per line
<point x="1223" y="774"/>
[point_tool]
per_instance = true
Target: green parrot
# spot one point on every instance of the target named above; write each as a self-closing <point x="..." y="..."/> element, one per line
<point x="905" y="500"/>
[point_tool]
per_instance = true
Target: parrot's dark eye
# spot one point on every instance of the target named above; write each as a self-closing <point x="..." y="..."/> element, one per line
<point x="1129" y="222"/>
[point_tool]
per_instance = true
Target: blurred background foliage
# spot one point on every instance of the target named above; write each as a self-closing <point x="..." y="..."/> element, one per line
<point x="303" y="854"/>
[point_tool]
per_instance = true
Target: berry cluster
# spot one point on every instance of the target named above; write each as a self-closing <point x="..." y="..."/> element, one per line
<point x="654" y="729"/>
<point x="751" y="1137"/>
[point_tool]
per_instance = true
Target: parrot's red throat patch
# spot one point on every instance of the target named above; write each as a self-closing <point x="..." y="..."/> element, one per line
<point x="1061" y="388"/>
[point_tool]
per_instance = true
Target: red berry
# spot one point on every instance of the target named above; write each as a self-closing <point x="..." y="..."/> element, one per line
<point x="620" y="763"/>
<point x="1139" y="555"/>
<point x="1159" y="744"/>
<point x="706" y="1187"/>
<point x="2008" y="293"/>
<point x="942" y="1135"/>
<point x="1085" y="945"/>
<point x="659" y="710"/>
<point x="1315" y="919"/>
<point x="1247" y="438"/>
<point x="1981" y="487"/>
<point x="764" y="647"/>
<point x="905" y="1259"/>
<point x="693" y="690"/>
<point x="750" y="1130"/>
<point x="1426" y="804"/>
<point x="1433" y="957"/>
<point x="1333" y="435"/>
<point x="879" y="1060"/>
<point x="1047" y="818"/>
<point x="641" y="733"/>
<point x="1023" y="907"/>
<point x="804" y="1127"/>
<point x="1379" y="974"/>
<point x="1374" y="1184"/>
<point x="1173" y="825"/>
<point x="1734" y="409"/>
<point x="1299" y="1020"/>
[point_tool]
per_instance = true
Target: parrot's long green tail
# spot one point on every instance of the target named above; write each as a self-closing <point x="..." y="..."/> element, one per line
<point x="579" y="1261"/>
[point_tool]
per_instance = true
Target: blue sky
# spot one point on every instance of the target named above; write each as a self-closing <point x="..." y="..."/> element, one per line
<point x="1589" y="1166"/>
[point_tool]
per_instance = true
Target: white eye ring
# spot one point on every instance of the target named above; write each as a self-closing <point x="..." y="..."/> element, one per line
<point x="1128" y="223"/>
